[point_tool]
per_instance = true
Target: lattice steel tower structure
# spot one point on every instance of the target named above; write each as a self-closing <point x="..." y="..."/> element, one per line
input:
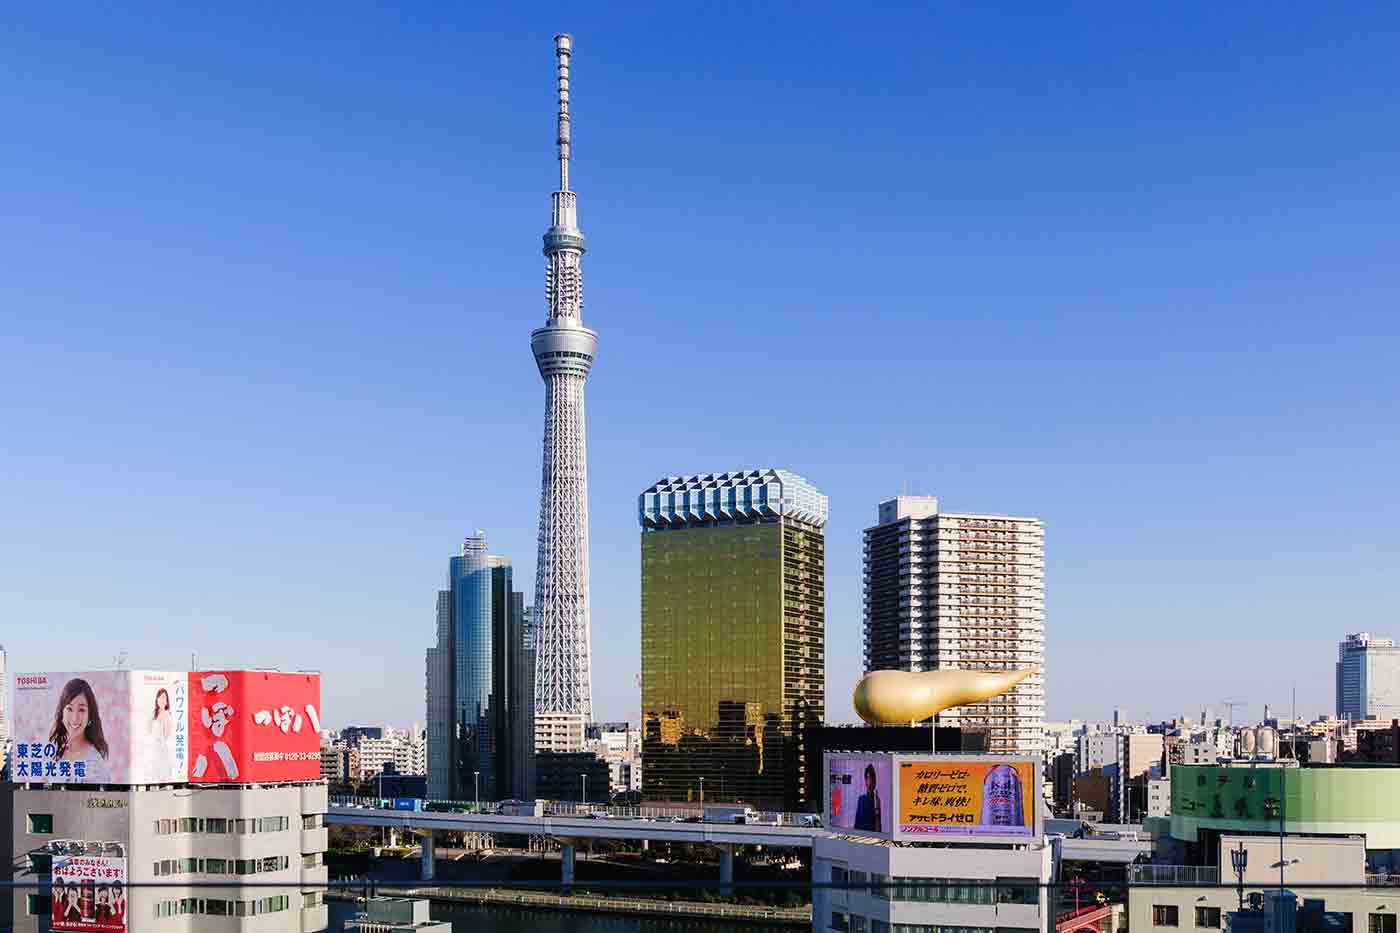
<point x="564" y="351"/>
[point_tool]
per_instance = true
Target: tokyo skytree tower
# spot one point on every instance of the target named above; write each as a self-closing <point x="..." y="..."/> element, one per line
<point x="564" y="351"/>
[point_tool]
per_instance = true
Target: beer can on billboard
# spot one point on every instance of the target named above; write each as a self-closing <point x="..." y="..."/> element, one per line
<point x="967" y="797"/>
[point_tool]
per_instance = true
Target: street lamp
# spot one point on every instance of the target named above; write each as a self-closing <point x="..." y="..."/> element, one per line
<point x="584" y="775"/>
<point x="702" y="791"/>
<point x="476" y="780"/>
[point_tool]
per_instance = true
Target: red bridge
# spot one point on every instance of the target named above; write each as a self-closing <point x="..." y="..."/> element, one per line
<point x="1085" y="918"/>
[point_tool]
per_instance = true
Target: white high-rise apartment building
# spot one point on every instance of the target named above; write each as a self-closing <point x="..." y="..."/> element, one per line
<point x="961" y="591"/>
<point x="407" y="750"/>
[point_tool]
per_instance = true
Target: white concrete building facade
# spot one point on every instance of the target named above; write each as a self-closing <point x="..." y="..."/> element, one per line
<point x="929" y="887"/>
<point x="265" y="842"/>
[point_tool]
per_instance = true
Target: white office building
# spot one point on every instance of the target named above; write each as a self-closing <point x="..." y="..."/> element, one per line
<point x="213" y="858"/>
<point x="961" y="591"/>
<point x="1368" y="677"/>
<point x="927" y="887"/>
<point x="620" y="745"/>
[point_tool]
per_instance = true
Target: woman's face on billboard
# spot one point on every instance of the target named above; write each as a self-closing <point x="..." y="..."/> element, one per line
<point x="75" y="715"/>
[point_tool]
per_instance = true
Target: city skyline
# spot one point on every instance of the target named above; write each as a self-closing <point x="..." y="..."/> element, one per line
<point x="1154" y="313"/>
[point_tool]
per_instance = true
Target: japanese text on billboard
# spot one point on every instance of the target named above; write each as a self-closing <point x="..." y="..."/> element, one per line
<point x="966" y="797"/>
<point x="89" y="894"/>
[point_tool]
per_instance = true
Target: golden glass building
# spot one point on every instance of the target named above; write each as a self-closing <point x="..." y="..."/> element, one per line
<point x="733" y="635"/>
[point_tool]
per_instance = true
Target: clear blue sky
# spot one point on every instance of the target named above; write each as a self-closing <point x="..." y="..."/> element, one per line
<point x="267" y="280"/>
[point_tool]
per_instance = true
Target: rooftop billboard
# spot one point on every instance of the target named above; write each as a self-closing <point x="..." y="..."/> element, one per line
<point x="254" y="726"/>
<point x="951" y="797"/>
<point x="859" y="793"/>
<point x="100" y="727"/>
<point x="1337" y="800"/>
<point x="161" y="727"/>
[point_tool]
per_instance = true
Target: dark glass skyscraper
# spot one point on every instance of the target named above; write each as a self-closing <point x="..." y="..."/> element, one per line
<point x="480" y="704"/>
<point x="733" y="635"/>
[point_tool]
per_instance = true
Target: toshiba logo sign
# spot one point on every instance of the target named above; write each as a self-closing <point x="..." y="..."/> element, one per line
<point x="31" y="681"/>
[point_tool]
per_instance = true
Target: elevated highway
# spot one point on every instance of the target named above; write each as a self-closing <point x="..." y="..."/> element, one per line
<point x="570" y="829"/>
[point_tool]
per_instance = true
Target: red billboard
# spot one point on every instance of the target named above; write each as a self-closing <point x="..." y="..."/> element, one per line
<point x="254" y="726"/>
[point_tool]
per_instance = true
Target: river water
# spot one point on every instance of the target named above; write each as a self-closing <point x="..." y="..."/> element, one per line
<point x="472" y="919"/>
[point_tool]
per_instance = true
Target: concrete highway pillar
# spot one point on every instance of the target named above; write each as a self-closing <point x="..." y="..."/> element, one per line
<point x="429" y="858"/>
<point x="566" y="862"/>
<point x="726" y="869"/>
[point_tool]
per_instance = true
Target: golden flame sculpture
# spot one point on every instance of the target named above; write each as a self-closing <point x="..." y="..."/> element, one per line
<point x="891" y="698"/>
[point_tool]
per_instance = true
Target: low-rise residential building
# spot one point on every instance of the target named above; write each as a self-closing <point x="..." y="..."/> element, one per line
<point x="1159" y="796"/>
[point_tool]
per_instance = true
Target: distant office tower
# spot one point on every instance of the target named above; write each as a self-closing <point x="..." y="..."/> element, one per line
<point x="564" y="351"/>
<point x="1368" y="677"/>
<point x="733" y="629"/>
<point x="476" y="690"/>
<point x="960" y="591"/>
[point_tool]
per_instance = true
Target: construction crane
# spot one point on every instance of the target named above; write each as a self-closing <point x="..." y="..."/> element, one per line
<point x="1230" y="707"/>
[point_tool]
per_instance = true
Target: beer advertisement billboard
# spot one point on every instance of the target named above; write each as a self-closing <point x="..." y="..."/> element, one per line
<point x="859" y="793"/>
<point x="967" y="797"/>
<point x="100" y="727"/>
<point x="254" y="726"/>
<point x="89" y="894"/>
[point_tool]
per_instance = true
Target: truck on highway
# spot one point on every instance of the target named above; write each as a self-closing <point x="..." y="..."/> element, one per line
<point x="730" y="813"/>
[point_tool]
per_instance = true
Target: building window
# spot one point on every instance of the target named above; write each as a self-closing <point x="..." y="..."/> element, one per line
<point x="858" y="924"/>
<point x="1210" y="917"/>
<point x="214" y="825"/>
<point x="40" y="824"/>
<point x="36" y="904"/>
<point x="216" y="866"/>
<point x="311" y="861"/>
<point x="1018" y="891"/>
<point x="312" y="899"/>
<point x="40" y="863"/>
<point x="1381" y="923"/>
<point x="840" y="922"/>
<point x="1164" y="915"/>
<point x="313" y="821"/>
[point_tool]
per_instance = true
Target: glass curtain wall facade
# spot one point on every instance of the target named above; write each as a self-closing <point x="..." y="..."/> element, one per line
<point x="480" y="708"/>
<point x="733" y="629"/>
<point x="474" y="739"/>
